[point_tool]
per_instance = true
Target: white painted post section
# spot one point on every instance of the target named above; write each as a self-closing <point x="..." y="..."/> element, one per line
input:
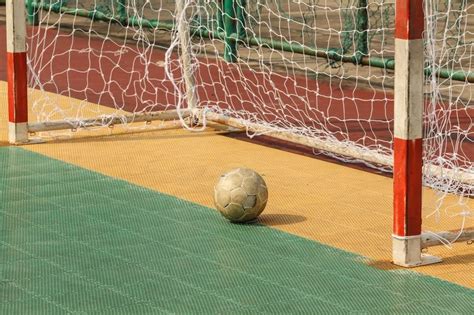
<point x="17" y="72"/>
<point x="185" y="42"/>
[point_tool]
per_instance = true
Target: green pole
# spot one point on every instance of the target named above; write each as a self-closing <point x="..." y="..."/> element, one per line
<point x="242" y="18"/>
<point x="230" y="28"/>
<point x="220" y="16"/>
<point x="32" y="9"/>
<point x="122" y="11"/>
<point x="362" y="26"/>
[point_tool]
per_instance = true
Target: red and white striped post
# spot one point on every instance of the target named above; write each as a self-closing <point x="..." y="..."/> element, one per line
<point x="408" y="142"/>
<point x="17" y="72"/>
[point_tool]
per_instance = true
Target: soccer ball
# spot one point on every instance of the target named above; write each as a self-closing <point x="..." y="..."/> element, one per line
<point x="240" y="195"/>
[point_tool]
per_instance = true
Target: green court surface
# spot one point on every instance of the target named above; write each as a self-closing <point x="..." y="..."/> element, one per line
<point x="72" y="240"/>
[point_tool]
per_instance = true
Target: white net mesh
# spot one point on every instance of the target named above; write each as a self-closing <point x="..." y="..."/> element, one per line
<point x="105" y="68"/>
<point x="449" y="113"/>
<point x="320" y="69"/>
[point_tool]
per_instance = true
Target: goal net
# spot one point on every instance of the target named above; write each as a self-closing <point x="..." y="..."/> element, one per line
<point x="319" y="72"/>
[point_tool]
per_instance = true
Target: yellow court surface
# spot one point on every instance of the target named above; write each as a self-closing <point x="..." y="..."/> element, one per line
<point x="336" y="205"/>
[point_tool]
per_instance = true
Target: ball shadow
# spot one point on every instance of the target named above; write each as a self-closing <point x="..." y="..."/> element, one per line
<point x="274" y="219"/>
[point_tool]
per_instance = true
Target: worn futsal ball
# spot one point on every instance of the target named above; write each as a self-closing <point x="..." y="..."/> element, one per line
<point x="240" y="195"/>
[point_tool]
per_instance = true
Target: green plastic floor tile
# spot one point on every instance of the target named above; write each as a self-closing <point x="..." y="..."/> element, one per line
<point x="135" y="308"/>
<point x="311" y="305"/>
<point x="33" y="306"/>
<point x="221" y="279"/>
<point x="263" y="293"/>
<point x="202" y="304"/>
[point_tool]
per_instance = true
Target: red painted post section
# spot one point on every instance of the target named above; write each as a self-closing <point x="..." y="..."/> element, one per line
<point x="407" y="187"/>
<point x="17" y="88"/>
<point x="409" y="19"/>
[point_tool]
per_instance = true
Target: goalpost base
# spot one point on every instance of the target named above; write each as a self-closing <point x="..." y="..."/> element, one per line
<point x="18" y="133"/>
<point x="407" y="252"/>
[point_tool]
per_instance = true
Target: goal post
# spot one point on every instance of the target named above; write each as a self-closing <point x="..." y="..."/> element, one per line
<point x="408" y="240"/>
<point x="408" y="134"/>
<point x="386" y="83"/>
<point x="17" y="72"/>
